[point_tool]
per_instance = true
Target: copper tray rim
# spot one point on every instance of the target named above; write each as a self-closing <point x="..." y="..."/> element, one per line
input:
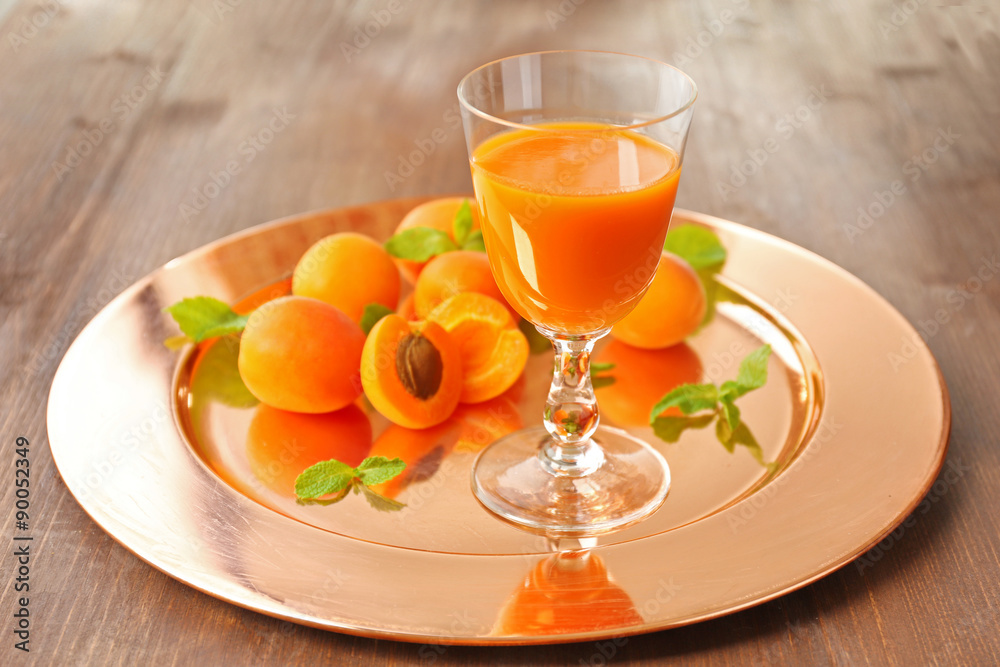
<point x="359" y="630"/>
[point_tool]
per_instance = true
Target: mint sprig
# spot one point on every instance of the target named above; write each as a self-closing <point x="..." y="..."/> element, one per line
<point x="203" y="317"/>
<point x="420" y="244"/>
<point x="721" y="401"/>
<point x="333" y="477"/>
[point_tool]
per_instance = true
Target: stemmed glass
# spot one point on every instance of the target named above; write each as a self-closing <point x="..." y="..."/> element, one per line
<point x="575" y="161"/>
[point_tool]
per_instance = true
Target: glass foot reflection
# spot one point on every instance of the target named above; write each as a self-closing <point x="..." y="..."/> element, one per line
<point x="623" y="482"/>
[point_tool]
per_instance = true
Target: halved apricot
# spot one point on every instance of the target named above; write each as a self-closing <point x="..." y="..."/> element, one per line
<point x="349" y="271"/>
<point x="281" y="444"/>
<point x="642" y="378"/>
<point x="411" y="372"/>
<point x="493" y="350"/>
<point x="422" y="450"/>
<point x="301" y="355"/>
<point x="437" y="214"/>
<point x="669" y="311"/>
<point x="453" y="273"/>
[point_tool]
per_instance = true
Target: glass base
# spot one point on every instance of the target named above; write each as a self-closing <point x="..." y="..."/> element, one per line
<point x="623" y="481"/>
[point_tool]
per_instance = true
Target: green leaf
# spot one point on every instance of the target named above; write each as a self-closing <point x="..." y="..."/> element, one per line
<point x="730" y="413"/>
<point x="753" y="370"/>
<point x="475" y="242"/>
<point x="725" y="435"/>
<point x="537" y="343"/>
<point x="323" y="478"/>
<point x="373" y="312"/>
<point x="461" y="226"/>
<point x="743" y="437"/>
<point x="203" y="317"/>
<point x="689" y="398"/>
<point x="378" y="469"/>
<point x="670" y="429"/>
<point x="325" y="501"/>
<point x="177" y="342"/>
<point x="380" y="502"/>
<point x="698" y="246"/>
<point x="419" y="244"/>
<point x="600" y="367"/>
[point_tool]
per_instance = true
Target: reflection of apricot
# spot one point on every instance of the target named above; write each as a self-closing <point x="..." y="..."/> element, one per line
<point x="281" y="444"/>
<point x="422" y="450"/>
<point x="482" y="423"/>
<point x="568" y="592"/>
<point x="262" y="296"/>
<point x="494" y="351"/>
<point x="411" y="372"/>
<point x="642" y="378"/>
<point x="349" y="271"/>
<point x="301" y="355"/>
<point x="453" y="273"/>
<point x="669" y="311"/>
<point x="437" y="214"/>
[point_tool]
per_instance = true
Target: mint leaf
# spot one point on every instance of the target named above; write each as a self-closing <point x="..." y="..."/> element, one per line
<point x="730" y="413"/>
<point x="537" y="343"/>
<point x="323" y="478"/>
<point x="670" y="429"/>
<point x="325" y="501"/>
<point x="698" y="246"/>
<point x="461" y="226"/>
<point x="380" y="502"/>
<point x="475" y="242"/>
<point x="753" y="370"/>
<point x="372" y="313"/>
<point x="742" y="436"/>
<point x="419" y="244"/>
<point x="378" y="469"/>
<point x="689" y="398"/>
<point x="600" y="367"/>
<point x="203" y="317"/>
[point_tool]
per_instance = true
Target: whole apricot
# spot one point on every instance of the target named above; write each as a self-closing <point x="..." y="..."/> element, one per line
<point x="437" y="214"/>
<point x="669" y="311"/>
<point x="347" y="271"/>
<point x="301" y="355"/>
<point x="281" y="444"/>
<point x="452" y="273"/>
<point x="411" y="372"/>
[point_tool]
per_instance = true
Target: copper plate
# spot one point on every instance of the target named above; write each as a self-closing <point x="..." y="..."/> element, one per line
<point x="855" y="414"/>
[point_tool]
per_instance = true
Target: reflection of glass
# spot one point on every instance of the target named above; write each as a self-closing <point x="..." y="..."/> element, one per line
<point x="566" y="593"/>
<point x="575" y="161"/>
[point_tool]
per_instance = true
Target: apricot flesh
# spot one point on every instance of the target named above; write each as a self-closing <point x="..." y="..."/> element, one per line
<point x="411" y="372"/>
<point x="494" y="351"/>
<point x="301" y="355"/>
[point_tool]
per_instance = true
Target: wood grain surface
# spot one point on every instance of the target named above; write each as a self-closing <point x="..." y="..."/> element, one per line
<point x="866" y="131"/>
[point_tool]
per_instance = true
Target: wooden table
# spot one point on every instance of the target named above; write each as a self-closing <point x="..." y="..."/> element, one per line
<point x="867" y="132"/>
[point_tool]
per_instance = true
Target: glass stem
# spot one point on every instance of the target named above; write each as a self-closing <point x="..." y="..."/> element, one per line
<point x="571" y="414"/>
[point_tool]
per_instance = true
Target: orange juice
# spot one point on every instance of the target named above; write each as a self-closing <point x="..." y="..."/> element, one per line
<point x="574" y="216"/>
